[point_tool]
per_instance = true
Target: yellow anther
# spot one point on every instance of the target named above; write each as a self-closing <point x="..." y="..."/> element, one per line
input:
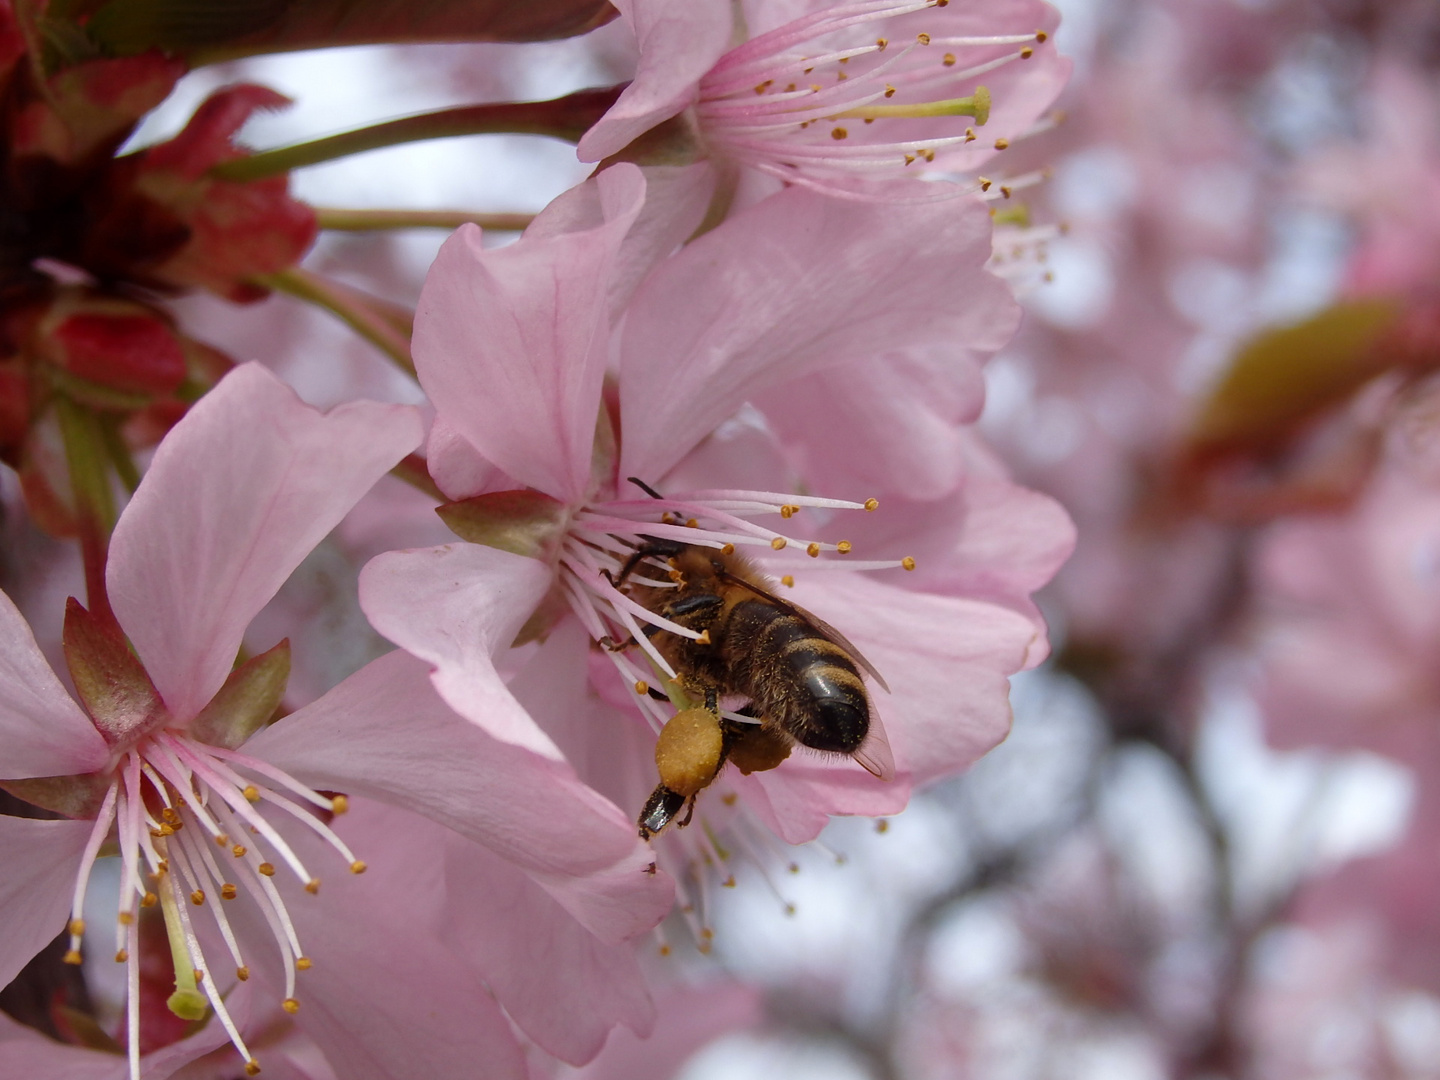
<point x="252" y="1067"/>
<point x="838" y="134"/>
<point x="268" y="869"/>
<point x="969" y="134"/>
<point x="729" y="882"/>
<point x="909" y="159"/>
<point x="76" y="927"/>
<point x="707" y="933"/>
<point x="928" y="154"/>
<point x="238" y="851"/>
<point x="162" y="867"/>
<point x="122" y="956"/>
<point x="840" y="76"/>
<point x="242" y="973"/>
<point x="1005" y="191"/>
<point x="923" y="39"/>
<point x="675" y="575"/>
<point x="312" y="886"/>
<point x="148" y="900"/>
<point x="228" y="892"/>
<point x="197" y="897"/>
<point x="221" y="839"/>
<point x="984" y="183"/>
<point x="889" y="90"/>
<point x="789" y="909"/>
<point x="169" y="814"/>
<point x="882" y="826"/>
<point x="303" y="963"/>
<point x="844" y="59"/>
<point x="72" y="956"/>
<point x="1041" y="36"/>
<point x="790" y="89"/>
<point x="908" y="562"/>
<point x="199" y="975"/>
<point x="358" y="866"/>
<point x="642" y="687"/>
<point x="704" y="638"/>
<point x="793" y="867"/>
<point x="764" y="86"/>
<point x="728" y="798"/>
<point x="881" y="42"/>
<point x="778" y="543"/>
<point x="664" y="950"/>
<point x="872" y="505"/>
<point x="691" y="523"/>
<point x="813" y="550"/>
<point x="843" y="547"/>
<point x="949" y="60"/>
<point x="339" y="804"/>
<point x="728" y="549"/>
<point x="251" y="793"/>
<point x="815" y="88"/>
<point x="789" y="510"/>
<point x="869" y="119"/>
<point x="1002" y="144"/>
<point x="1026" y="53"/>
<point x="290" y="1005"/>
<point x="788" y="581"/>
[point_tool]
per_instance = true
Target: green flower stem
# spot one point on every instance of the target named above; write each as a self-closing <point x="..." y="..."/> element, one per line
<point x="87" y="458"/>
<point x="384" y="325"/>
<point x="565" y="118"/>
<point x="119" y="454"/>
<point x="416" y="473"/>
<point x="371" y="220"/>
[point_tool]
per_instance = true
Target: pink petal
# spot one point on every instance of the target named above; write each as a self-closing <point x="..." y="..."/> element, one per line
<point x="562" y="986"/>
<point x="458" y="469"/>
<point x="455" y="606"/>
<point x="42" y="731"/>
<point x="511" y="343"/>
<point x="792" y="285"/>
<point x="384" y="734"/>
<point x="678" y="44"/>
<point x="690" y="1017"/>
<point x="238" y="493"/>
<point x="41" y="860"/>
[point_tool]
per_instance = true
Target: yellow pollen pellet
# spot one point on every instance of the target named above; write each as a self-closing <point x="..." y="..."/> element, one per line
<point x="872" y="505"/>
<point x="843" y="547"/>
<point x="303" y="963"/>
<point x="238" y="851"/>
<point x="251" y="793"/>
<point x="268" y="869"/>
<point x="728" y="549"/>
<point x="358" y="866"/>
<point x="813" y="550"/>
<point x="76" y="927"/>
<point x="838" y="134"/>
<point x="1041" y="36"/>
<point x="72" y="956"/>
<point x="228" y="892"/>
<point x="252" y="1067"/>
<point x="312" y="886"/>
<point x="778" y="543"/>
<point x="788" y="581"/>
<point x="704" y="638"/>
<point x="290" y="1005"/>
<point x="881" y="42"/>
<point x="923" y="39"/>
<point x="242" y="973"/>
<point x="122" y="956"/>
<point x="1002" y="144"/>
<point x="197" y="897"/>
<point x="339" y="804"/>
<point x="949" y="60"/>
<point x="908" y="563"/>
<point x="642" y="687"/>
<point x="1026" y="53"/>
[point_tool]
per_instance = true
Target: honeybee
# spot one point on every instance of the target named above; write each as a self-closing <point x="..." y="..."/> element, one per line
<point x="801" y="677"/>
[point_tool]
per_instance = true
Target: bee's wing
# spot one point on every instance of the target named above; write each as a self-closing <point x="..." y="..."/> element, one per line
<point x="874" y="753"/>
<point x="826" y="630"/>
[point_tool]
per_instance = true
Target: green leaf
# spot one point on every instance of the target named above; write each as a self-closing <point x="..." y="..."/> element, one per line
<point x="1286" y="376"/>
<point x="524" y="522"/>
<point x="247" y="701"/>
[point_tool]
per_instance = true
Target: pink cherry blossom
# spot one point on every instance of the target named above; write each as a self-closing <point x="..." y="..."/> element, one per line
<point x="236" y="496"/>
<point x="839" y="95"/>
<point x="754" y="304"/>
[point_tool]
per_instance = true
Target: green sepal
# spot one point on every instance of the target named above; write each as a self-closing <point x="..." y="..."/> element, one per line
<point x="78" y="797"/>
<point x="109" y="679"/>
<point x="523" y="522"/>
<point x="247" y="701"/>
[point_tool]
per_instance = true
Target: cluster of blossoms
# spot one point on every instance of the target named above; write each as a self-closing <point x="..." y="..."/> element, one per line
<point x="758" y="327"/>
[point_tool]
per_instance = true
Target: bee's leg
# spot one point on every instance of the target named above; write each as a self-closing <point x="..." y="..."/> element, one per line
<point x="689" y="813"/>
<point x="611" y="645"/>
<point x="652" y="546"/>
<point x="712" y="701"/>
<point x="658" y="695"/>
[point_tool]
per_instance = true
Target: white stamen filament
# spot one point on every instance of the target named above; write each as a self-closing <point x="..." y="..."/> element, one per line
<point x="201" y="793"/>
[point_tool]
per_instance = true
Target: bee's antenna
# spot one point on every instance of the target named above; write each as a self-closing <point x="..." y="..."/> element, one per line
<point x="645" y="487"/>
